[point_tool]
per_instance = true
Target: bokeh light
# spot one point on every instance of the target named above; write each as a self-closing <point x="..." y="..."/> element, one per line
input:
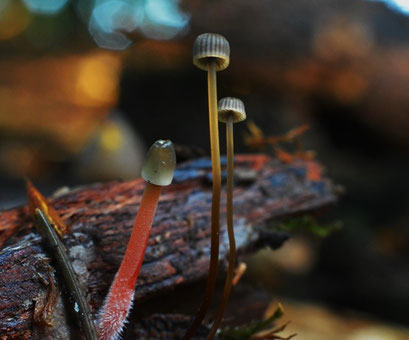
<point x="45" y="6"/>
<point x="400" y="5"/>
<point x="14" y="19"/>
<point x="163" y="19"/>
<point x="110" y="20"/>
<point x="97" y="81"/>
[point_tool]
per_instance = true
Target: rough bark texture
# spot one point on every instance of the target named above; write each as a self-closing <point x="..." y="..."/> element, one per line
<point x="101" y="216"/>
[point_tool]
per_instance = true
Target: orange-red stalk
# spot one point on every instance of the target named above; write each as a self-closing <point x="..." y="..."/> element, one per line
<point x="119" y="300"/>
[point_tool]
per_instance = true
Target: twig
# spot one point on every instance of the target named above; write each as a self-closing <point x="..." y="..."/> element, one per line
<point x="60" y="253"/>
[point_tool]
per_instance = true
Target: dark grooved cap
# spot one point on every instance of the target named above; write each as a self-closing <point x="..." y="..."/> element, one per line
<point x="211" y="47"/>
<point x="231" y="107"/>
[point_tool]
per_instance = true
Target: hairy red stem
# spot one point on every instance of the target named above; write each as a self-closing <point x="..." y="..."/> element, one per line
<point x="119" y="300"/>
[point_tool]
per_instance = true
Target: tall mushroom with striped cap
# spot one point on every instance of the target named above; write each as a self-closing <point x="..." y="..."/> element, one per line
<point x="157" y="171"/>
<point x="211" y="53"/>
<point x="231" y="110"/>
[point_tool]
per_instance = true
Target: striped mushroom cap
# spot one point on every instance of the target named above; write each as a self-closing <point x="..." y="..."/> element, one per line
<point x="160" y="163"/>
<point x="231" y="106"/>
<point x="211" y="47"/>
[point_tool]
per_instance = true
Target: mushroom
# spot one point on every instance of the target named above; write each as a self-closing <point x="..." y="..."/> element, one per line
<point x="231" y="110"/>
<point x="211" y="53"/>
<point x="157" y="171"/>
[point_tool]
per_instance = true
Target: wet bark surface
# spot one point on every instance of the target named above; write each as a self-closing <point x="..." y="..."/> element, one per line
<point x="32" y="302"/>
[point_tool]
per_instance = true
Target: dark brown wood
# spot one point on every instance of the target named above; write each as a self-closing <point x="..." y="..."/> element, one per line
<point x="101" y="217"/>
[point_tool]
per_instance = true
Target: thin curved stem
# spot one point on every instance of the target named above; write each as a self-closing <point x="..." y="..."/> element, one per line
<point x="230" y="228"/>
<point x="215" y="227"/>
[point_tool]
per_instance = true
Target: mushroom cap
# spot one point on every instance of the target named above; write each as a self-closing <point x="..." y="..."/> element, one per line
<point x="211" y="47"/>
<point x="230" y="106"/>
<point x="160" y="163"/>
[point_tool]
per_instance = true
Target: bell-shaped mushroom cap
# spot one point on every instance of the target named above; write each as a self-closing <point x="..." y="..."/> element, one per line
<point x="231" y="107"/>
<point x="211" y="48"/>
<point x="160" y="163"/>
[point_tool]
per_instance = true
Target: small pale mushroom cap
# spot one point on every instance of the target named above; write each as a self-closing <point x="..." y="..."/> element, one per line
<point x="231" y="107"/>
<point x="209" y="48"/>
<point x="160" y="163"/>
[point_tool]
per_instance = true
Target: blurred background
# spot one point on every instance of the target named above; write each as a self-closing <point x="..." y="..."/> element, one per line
<point x="86" y="86"/>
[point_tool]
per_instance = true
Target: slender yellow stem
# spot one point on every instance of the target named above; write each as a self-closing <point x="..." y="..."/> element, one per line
<point x="215" y="227"/>
<point x="230" y="228"/>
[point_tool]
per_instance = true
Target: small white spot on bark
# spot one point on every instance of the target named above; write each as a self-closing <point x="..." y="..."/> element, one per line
<point x="76" y="308"/>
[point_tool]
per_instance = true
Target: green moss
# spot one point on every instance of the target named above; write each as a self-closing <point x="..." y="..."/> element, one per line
<point x="309" y="224"/>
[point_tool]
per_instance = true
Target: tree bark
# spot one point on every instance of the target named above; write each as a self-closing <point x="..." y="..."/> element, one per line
<point x="101" y="217"/>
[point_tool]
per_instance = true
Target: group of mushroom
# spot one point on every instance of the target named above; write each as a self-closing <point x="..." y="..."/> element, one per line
<point x="211" y="52"/>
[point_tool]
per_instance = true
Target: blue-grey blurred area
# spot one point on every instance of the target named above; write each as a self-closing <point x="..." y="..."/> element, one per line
<point x="109" y="20"/>
<point x="86" y="86"/>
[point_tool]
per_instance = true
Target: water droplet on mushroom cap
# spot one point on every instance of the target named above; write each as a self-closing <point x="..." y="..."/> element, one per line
<point x="160" y="163"/>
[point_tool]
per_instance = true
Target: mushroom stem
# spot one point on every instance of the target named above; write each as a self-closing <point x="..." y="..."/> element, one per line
<point x="119" y="300"/>
<point x="231" y="110"/>
<point x="157" y="171"/>
<point x="230" y="228"/>
<point x="134" y="254"/>
<point x="216" y="189"/>
<point x="211" y="53"/>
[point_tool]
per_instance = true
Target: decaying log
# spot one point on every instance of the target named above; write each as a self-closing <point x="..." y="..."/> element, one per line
<point x="101" y="217"/>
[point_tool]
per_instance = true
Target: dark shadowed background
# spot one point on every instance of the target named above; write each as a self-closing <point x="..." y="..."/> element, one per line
<point x="86" y="86"/>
